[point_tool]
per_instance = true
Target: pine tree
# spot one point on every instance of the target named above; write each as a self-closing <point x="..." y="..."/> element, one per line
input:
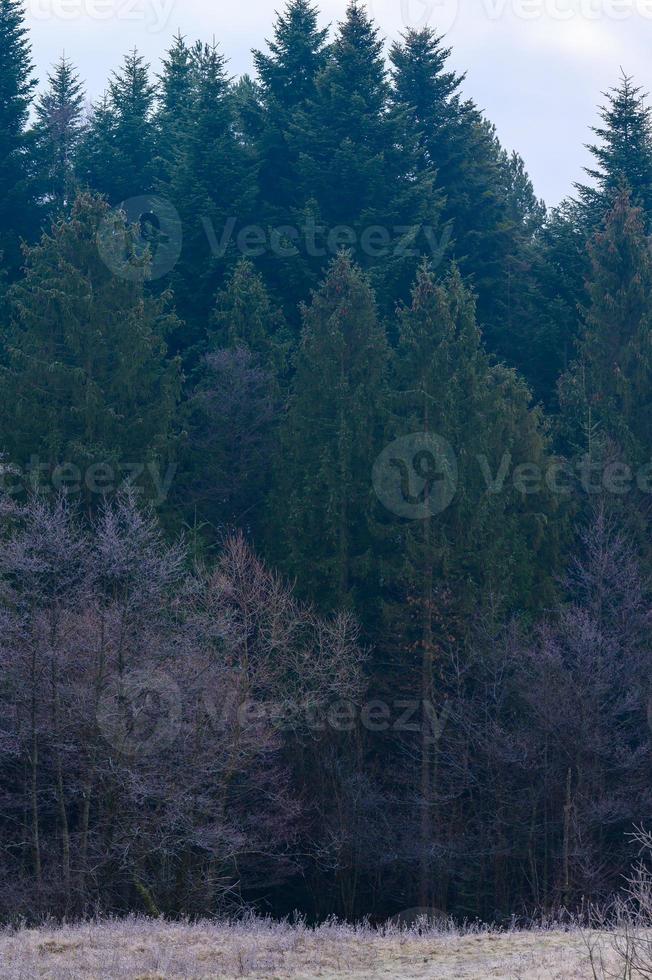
<point x="461" y="416"/>
<point x="175" y="99"/>
<point x="58" y="130"/>
<point x="87" y="379"/>
<point x="320" y="514"/>
<point x="562" y="266"/>
<point x="623" y="158"/>
<point x="212" y="186"/>
<point x="489" y="230"/>
<point x="357" y="163"/>
<point x="611" y="384"/>
<point x="444" y="383"/>
<point x="18" y="213"/>
<point x="117" y="155"/>
<point x="287" y="76"/>
<point x="297" y="55"/>
<point x="245" y="317"/>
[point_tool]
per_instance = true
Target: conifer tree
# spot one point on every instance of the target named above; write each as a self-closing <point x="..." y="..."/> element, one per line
<point x="559" y="269"/>
<point x="212" y="186"/>
<point x="58" y="130"/>
<point x="234" y="407"/>
<point x="623" y="163"/>
<point x="321" y="509"/>
<point x="357" y="162"/>
<point x="117" y="155"/>
<point x="610" y="386"/>
<point x="287" y="76"/>
<point x="244" y="316"/>
<point x="471" y="544"/>
<point x="623" y="155"/>
<point x="18" y="214"/>
<point x="489" y="232"/>
<point x="175" y="98"/>
<point x="297" y="55"/>
<point x="87" y="379"/>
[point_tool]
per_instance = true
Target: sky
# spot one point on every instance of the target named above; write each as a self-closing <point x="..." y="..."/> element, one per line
<point x="537" y="68"/>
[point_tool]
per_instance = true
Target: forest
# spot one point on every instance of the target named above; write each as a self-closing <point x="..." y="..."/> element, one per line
<point x="325" y="488"/>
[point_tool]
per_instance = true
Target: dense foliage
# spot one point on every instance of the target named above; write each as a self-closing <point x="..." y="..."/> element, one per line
<point x="326" y="475"/>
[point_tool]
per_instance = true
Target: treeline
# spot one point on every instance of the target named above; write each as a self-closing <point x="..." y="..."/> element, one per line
<point x="316" y="328"/>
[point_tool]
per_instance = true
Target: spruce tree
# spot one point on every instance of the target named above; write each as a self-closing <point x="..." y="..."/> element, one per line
<point x="320" y="514"/>
<point x="58" y="130"/>
<point x="623" y="162"/>
<point x="443" y="382"/>
<point x="489" y="231"/>
<point x="244" y="316"/>
<point x="175" y="98"/>
<point x="87" y="379"/>
<point x="623" y="155"/>
<point x="460" y="419"/>
<point x="117" y="154"/>
<point x="286" y="77"/>
<point x="357" y="163"/>
<point x="212" y="186"/>
<point x="18" y="213"/>
<point x="610" y="386"/>
<point x="297" y="55"/>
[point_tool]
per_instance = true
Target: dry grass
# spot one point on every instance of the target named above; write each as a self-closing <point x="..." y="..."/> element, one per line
<point x="149" y="950"/>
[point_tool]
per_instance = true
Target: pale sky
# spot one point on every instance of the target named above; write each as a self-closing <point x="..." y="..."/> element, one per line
<point x="536" y="67"/>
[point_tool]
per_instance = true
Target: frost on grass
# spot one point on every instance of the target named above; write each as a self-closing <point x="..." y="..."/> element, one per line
<point x="140" y="949"/>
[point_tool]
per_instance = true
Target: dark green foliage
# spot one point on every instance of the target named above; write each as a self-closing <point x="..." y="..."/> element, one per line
<point x="58" y="132"/>
<point x="323" y="499"/>
<point x="358" y="165"/>
<point x="610" y="387"/>
<point x="87" y="380"/>
<point x="175" y="101"/>
<point x="297" y="55"/>
<point x="493" y="534"/>
<point x="623" y="157"/>
<point x="365" y="277"/>
<point x="245" y="317"/>
<point x="18" y="216"/>
<point x="118" y="150"/>
<point x="209" y="180"/>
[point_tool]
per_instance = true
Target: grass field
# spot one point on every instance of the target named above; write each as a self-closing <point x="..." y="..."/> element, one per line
<point x="150" y="950"/>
